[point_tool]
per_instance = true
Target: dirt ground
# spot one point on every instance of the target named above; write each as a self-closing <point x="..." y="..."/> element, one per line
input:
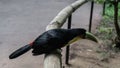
<point x="87" y="54"/>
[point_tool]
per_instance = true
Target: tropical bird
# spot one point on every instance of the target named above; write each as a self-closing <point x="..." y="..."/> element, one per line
<point x="51" y="40"/>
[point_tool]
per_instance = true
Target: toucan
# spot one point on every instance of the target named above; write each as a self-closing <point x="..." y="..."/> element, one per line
<point x="51" y="40"/>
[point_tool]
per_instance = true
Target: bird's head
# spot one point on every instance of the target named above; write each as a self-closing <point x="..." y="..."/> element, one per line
<point x="77" y="33"/>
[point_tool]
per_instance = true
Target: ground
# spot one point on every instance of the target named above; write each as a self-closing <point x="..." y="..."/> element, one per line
<point x="84" y="54"/>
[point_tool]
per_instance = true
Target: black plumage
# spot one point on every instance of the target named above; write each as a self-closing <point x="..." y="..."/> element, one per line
<point x="54" y="39"/>
<point x="50" y="41"/>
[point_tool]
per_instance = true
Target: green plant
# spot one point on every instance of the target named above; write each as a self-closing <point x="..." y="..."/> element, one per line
<point x="107" y="33"/>
<point x="110" y="10"/>
<point x="99" y="1"/>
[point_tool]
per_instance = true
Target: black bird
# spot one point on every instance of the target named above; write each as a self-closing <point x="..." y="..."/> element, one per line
<point x="50" y="41"/>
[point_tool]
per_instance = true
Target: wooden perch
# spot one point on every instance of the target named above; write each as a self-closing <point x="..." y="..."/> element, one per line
<point x="53" y="60"/>
<point x="60" y="19"/>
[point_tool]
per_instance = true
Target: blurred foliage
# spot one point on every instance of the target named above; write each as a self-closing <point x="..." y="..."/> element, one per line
<point x="102" y="1"/>
<point x="107" y="26"/>
<point x="99" y="1"/>
<point x="109" y="11"/>
<point x="106" y="30"/>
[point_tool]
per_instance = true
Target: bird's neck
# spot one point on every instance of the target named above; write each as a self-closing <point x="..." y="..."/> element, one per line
<point x="74" y="39"/>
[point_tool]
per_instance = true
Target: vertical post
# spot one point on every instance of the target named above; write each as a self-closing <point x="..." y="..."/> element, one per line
<point x="91" y="16"/>
<point x="69" y="21"/>
<point x="117" y="40"/>
<point x="104" y="4"/>
<point x="68" y="47"/>
<point x="116" y="18"/>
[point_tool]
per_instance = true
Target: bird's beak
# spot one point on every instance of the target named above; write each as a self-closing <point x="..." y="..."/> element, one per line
<point x="92" y="37"/>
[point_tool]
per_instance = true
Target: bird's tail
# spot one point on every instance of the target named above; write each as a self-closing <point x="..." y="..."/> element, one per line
<point x="20" y="51"/>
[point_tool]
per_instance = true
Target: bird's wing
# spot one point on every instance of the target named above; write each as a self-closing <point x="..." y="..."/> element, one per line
<point x="50" y="45"/>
